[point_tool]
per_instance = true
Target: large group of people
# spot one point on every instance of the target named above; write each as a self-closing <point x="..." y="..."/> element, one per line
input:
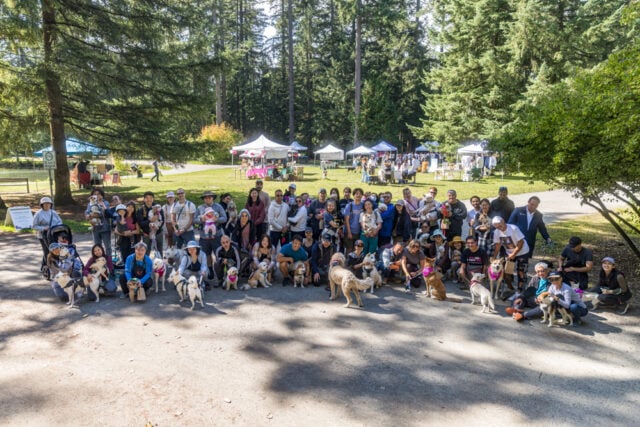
<point x="293" y="227"/>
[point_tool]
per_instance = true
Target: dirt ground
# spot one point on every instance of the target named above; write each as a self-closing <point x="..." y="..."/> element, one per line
<point x="290" y="357"/>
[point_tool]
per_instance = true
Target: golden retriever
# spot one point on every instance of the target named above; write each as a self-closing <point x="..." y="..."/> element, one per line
<point x="343" y="280"/>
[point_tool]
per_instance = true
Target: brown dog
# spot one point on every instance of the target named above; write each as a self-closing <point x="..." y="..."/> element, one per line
<point x="342" y="279"/>
<point x="433" y="280"/>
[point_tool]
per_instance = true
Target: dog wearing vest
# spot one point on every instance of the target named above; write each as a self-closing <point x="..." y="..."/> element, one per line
<point x="159" y="273"/>
<point x="181" y="283"/>
<point x="496" y="275"/>
<point x="231" y="279"/>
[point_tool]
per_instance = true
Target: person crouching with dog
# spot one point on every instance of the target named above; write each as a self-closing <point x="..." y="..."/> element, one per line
<point x="321" y="254"/>
<point x="106" y="282"/>
<point x="138" y="274"/>
<point x="194" y="263"/>
<point x="57" y="264"/>
<point x="529" y="296"/>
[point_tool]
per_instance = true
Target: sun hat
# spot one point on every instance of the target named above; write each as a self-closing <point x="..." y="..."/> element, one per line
<point x="437" y="233"/>
<point x="192" y="244"/>
<point x="208" y="194"/>
<point x="609" y="260"/>
<point x="45" y="200"/>
<point x="121" y="207"/>
<point x="54" y="245"/>
<point x="456" y="239"/>
<point x="170" y="194"/>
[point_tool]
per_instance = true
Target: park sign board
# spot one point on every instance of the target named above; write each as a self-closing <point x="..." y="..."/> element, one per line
<point x="20" y="217"/>
<point x="49" y="159"/>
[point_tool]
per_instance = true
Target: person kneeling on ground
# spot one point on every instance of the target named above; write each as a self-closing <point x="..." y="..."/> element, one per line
<point x="290" y="254"/>
<point x="321" y="254"/>
<point x="613" y="290"/>
<point x="138" y="266"/>
<point x="56" y="263"/>
<point x="194" y="263"/>
<point x="529" y="297"/>
<point x="227" y="256"/>
<point x="106" y="279"/>
<point x="391" y="262"/>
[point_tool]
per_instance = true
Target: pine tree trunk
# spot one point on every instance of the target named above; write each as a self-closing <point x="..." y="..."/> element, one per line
<point x="62" y="194"/>
<point x="292" y="117"/>
<point x="357" y="71"/>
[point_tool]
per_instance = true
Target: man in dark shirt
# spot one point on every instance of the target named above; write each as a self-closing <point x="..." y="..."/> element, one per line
<point x="575" y="263"/>
<point x="503" y="206"/>
<point x="321" y="254"/>
<point x="473" y="260"/>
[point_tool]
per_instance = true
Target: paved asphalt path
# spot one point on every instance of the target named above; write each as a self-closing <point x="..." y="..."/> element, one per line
<point x="290" y="357"/>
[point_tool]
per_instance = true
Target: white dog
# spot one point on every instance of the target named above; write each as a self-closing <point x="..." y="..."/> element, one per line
<point x="154" y="225"/>
<point x="369" y="270"/>
<point x="479" y="291"/>
<point x="172" y="257"/>
<point x="92" y="281"/>
<point x="260" y="276"/>
<point x="496" y="275"/>
<point x="68" y="285"/>
<point x="428" y="210"/>
<point x="195" y="291"/>
<point x="159" y="273"/>
<point x="181" y="283"/>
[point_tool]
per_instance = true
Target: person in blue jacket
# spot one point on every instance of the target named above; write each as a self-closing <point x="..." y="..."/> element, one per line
<point x="138" y="266"/>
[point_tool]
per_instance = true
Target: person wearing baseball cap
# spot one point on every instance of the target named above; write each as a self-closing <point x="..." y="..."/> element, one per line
<point x="321" y="254"/>
<point x="576" y="262"/>
<point x="209" y="242"/>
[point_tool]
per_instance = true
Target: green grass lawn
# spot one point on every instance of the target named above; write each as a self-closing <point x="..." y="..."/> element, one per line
<point x="226" y="180"/>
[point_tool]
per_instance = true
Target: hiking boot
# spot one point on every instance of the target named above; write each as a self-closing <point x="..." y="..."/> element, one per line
<point x="510" y="311"/>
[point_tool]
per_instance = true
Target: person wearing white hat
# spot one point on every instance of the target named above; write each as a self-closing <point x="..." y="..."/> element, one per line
<point x="43" y="220"/>
<point x="509" y="237"/>
<point x="193" y="262"/>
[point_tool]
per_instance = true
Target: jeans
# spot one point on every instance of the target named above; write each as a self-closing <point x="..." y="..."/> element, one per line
<point x="577" y="311"/>
<point x="103" y="238"/>
<point x="184" y="238"/>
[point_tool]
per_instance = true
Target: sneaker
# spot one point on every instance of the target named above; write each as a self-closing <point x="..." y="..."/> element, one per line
<point x="518" y="317"/>
<point x="407" y="289"/>
<point x="211" y="276"/>
<point x="577" y="322"/>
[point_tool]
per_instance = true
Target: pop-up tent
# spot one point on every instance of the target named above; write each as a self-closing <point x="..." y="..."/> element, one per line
<point x="272" y="150"/>
<point x="76" y="147"/>
<point x="295" y="146"/>
<point x="384" y="146"/>
<point x="330" y="153"/>
<point x="361" y="151"/>
<point x="427" y="146"/>
<point x="473" y="149"/>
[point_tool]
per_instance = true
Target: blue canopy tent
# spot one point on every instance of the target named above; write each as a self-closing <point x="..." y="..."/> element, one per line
<point x="76" y="147"/>
<point x="384" y="146"/>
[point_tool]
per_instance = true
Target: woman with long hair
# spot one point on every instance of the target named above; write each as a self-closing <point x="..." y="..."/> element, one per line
<point x="257" y="210"/>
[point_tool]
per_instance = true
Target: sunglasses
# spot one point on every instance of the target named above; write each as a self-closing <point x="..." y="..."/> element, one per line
<point x="360" y="245"/>
<point x="299" y="201"/>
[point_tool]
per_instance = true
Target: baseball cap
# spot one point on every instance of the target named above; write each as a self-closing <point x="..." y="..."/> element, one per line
<point x="497" y="220"/>
<point x="400" y="202"/>
<point x="503" y="188"/>
<point x="140" y="245"/>
<point x="54" y="245"/>
<point x="308" y="230"/>
<point x="609" y="260"/>
<point x="554" y="274"/>
<point x="326" y="237"/>
<point x="322" y="190"/>
<point x="121" y="207"/>
<point x="574" y="241"/>
<point x="293" y="186"/>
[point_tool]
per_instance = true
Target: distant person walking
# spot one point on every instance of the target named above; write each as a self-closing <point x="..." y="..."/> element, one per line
<point x="156" y="170"/>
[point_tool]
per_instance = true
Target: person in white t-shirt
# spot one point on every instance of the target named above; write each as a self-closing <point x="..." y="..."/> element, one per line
<point x="509" y="237"/>
<point x="182" y="215"/>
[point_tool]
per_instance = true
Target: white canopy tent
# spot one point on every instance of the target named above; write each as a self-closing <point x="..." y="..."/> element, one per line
<point x="330" y="153"/>
<point x="383" y="146"/>
<point x="361" y="151"/>
<point x="272" y="150"/>
<point x="427" y="146"/>
<point x="473" y="149"/>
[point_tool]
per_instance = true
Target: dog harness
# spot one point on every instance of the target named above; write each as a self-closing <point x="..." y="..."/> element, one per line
<point x="427" y="271"/>
<point x="233" y="278"/>
<point x="161" y="271"/>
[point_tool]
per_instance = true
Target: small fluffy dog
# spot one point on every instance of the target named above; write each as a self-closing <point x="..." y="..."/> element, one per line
<point x="95" y="214"/>
<point x="154" y="226"/>
<point x="231" y="279"/>
<point x="549" y="307"/>
<point x="194" y="291"/>
<point x="369" y="270"/>
<point x="68" y="285"/>
<point x="92" y="281"/>
<point x="433" y="280"/>
<point x="136" y="291"/>
<point x="478" y="290"/>
<point x="181" y="283"/>
<point x="159" y="273"/>
<point x="428" y="211"/>
<point x="99" y="268"/>
<point x="343" y="280"/>
<point x="496" y="274"/>
<point x="299" y="272"/>
<point x="232" y="213"/>
<point x="172" y="257"/>
<point x="260" y="276"/>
